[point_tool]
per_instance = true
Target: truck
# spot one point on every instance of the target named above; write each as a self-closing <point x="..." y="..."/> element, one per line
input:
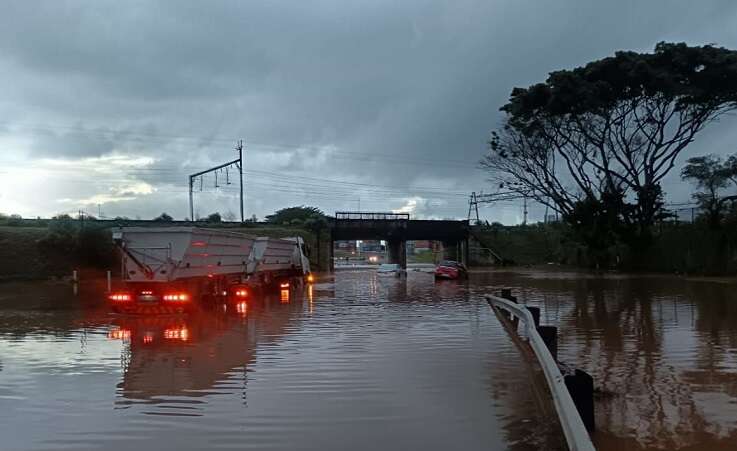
<point x="172" y="269"/>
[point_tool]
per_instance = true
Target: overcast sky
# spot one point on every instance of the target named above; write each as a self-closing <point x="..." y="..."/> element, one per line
<point x="385" y="105"/>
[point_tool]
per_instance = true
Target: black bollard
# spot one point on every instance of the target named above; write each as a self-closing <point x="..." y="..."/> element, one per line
<point x="549" y="334"/>
<point x="581" y="387"/>
<point x="535" y="314"/>
<point x="507" y="294"/>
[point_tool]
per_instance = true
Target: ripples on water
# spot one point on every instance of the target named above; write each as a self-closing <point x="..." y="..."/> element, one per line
<point x="662" y="351"/>
<point x="358" y="362"/>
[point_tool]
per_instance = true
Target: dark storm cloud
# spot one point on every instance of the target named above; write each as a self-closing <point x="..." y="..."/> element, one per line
<point x="415" y="80"/>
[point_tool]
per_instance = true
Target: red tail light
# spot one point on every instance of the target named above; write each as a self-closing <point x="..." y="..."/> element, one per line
<point x="241" y="292"/>
<point x="119" y="334"/>
<point x="177" y="334"/>
<point x="119" y="297"/>
<point x="176" y="297"/>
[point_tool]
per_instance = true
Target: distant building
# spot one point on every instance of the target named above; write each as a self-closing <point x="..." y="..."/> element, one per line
<point x="418" y="246"/>
<point x="371" y="246"/>
<point x="346" y="245"/>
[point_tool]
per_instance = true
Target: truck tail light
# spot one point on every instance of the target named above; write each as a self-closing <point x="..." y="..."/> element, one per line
<point x="119" y="334"/>
<point x="177" y="333"/>
<point x="176" y="297"/>
<point x="119" y="297"/>
<point x="241" y="292"/>
<point x="284" y="285"/>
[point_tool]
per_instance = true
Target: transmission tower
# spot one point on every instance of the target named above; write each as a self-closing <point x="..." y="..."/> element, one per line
<point x="480" y="198"/>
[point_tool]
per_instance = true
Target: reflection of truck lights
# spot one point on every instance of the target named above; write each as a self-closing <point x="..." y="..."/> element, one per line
<point x="284" y="296"/>
<point x="120" y="297"/>
<point x="119" y="334"/>
<point x="177" y="334"/>
<point x="176" y="297"/>
<point x="241" y="293"/>
<point x="148" y="338"/>
<point x="241" y="308"/>
<point x="310" y="297"/>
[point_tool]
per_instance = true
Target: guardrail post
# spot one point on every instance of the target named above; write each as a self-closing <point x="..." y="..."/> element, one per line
<point x="535" y="314"/>
<point x="581" y="387"/>
<point x="549" y="334"/>
<point x="507" y="294"/>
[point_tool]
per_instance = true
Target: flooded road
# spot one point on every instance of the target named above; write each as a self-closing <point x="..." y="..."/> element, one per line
<point x="364" y="362"/>
<point x="356" y="362"/>
<point x="662" y="351"/>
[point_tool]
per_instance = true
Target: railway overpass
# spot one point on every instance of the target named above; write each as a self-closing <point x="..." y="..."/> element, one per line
<point x="396" y="229"/>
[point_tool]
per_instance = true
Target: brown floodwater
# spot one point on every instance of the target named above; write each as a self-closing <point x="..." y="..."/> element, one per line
<point x="356" y="362"/>
<point x="662" y="351"/>
<point x="365" y="362"/>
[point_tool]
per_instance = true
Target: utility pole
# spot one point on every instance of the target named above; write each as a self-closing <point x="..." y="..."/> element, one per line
<point x="238" y="163"/>
<point x="524" y="221"/>
<point x="191" y="199"/>
<point x="476" y="205"/>
<point x="239" y="148"/>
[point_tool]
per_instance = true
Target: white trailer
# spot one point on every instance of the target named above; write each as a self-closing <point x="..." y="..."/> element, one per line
<point x="172" y="266"/>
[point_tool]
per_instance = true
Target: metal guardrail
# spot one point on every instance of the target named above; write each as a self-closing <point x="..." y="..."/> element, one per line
<point x="575" y="432"/>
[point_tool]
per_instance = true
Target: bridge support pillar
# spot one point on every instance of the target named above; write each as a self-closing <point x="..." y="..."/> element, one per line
<point x="398" y="252"/>
<point x="464" y="251"/>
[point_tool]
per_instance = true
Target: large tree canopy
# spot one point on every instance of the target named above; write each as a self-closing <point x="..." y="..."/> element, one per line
<point x="606" y="134"/>
<point x="296" y="215"/>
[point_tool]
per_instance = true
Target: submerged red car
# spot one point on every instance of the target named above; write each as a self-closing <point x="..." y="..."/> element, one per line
<point x="449" y="269"/>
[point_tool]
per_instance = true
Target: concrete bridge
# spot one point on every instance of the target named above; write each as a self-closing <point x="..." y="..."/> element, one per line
<point x="396" y="229"/>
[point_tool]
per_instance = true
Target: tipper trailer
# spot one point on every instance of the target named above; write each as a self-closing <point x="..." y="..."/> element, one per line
<point x="168" y="269"/>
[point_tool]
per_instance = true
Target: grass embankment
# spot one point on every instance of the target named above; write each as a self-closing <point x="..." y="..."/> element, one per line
<point x="677" y="248"/>
<point x="19" y="253"/>
<point x="56" y="248"/>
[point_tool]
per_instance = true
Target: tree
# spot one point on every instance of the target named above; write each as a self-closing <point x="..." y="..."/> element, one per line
<point x="229" y="216"/>
<point x="163" y="217"/>
<point x="295" y="215"/>
<point x="710" y="174"/>
<point x="214" y="217"/>
<point x="597" y="141"/>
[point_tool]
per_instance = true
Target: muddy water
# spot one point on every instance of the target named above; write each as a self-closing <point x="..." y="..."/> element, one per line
<point x="357" y="362"/>
<point x="662" y="351"/>
<point x="363" y="362"/>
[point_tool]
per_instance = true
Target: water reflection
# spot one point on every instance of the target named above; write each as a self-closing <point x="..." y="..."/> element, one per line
<point x="662" y="350"/>
<point x="358" y="362"/>
<point x="204" y="353"/>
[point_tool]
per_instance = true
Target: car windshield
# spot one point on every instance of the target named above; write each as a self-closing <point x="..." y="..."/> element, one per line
<point x="449" y="263"/>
